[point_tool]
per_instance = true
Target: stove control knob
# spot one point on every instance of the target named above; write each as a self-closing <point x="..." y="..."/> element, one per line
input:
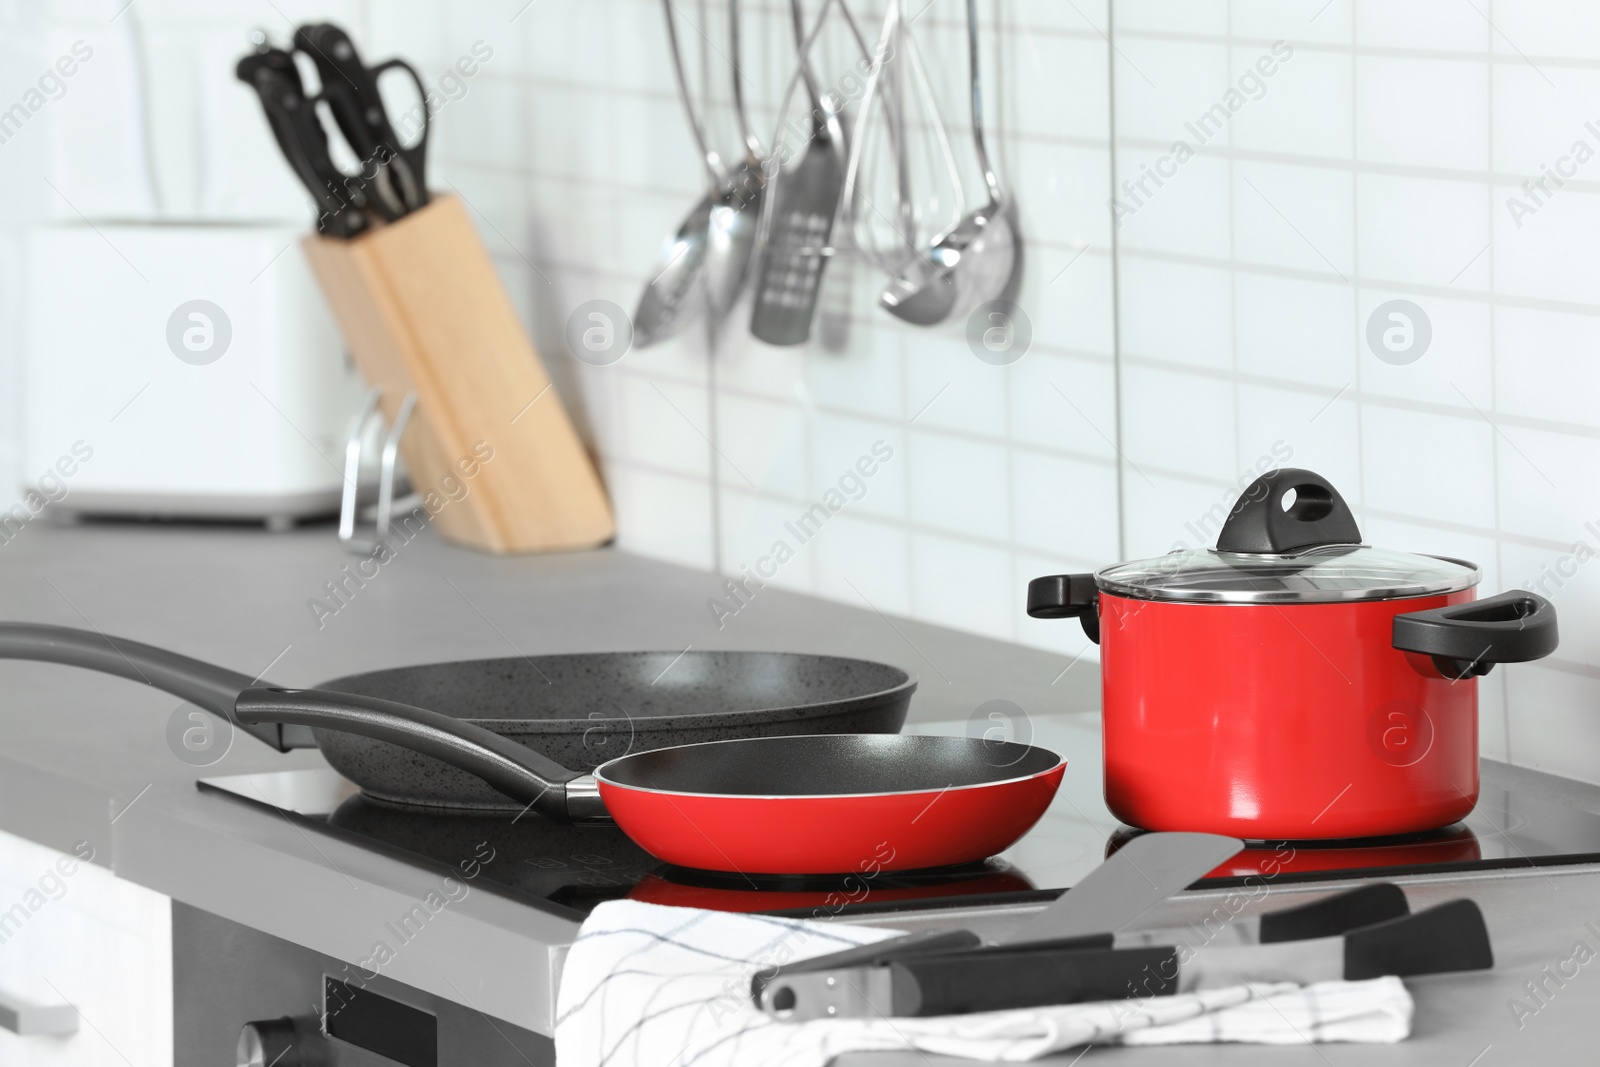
<point x="282" y="1042"/>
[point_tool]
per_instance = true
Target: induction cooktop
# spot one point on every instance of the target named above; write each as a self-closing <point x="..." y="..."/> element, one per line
<point x="569" y="869"/>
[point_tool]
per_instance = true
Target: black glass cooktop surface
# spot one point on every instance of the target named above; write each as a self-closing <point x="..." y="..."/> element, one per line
<point x="570" y="869"/>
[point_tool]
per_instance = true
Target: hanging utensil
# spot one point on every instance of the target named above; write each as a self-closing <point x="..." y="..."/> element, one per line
<point x="879" y="94"/>
<point x="669" y="298"/>
<point x="734" y="221"/>
<point x="801" y="209"/>
<point x="976" y="258"/>
<point x="920" y="293"/>
<point x="835" y="303"/>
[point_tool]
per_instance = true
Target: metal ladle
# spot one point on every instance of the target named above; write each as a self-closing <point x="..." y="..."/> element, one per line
<point x="667" y="303"/>
<point x="735" y="220"/>
<point x="973" y="261"/>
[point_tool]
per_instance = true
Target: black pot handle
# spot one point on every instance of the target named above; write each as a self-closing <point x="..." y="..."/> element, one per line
<point x="515" y="770"/>
<point x="1062" y="596"/>
<point x="1465" y="640"/>
<point x="1259" y="523"/>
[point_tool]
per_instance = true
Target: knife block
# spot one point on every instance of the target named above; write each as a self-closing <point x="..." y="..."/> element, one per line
<point x="422" y="310"/>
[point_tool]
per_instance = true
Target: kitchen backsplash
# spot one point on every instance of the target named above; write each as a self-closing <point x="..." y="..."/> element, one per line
<point x="1354" y="237"/>
<point x="1380" y="256"/>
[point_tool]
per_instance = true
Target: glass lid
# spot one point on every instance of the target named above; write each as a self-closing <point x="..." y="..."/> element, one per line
<point x="1290" y="538"/>
<point x="1320" y="574"/>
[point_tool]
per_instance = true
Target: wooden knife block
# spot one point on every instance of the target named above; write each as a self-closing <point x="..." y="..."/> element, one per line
<point x="422" y="309"/>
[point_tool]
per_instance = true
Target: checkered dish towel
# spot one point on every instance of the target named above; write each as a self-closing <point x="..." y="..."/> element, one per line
<point x="646" y="985"/>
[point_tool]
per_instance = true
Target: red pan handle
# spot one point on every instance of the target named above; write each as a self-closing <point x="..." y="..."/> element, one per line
<point x="515" y="770"/>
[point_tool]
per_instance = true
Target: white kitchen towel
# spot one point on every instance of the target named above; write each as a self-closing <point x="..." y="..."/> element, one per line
<point x="652" y="986"/>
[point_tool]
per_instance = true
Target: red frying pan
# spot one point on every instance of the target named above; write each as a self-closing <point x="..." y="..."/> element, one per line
<point x="810" y="804"/>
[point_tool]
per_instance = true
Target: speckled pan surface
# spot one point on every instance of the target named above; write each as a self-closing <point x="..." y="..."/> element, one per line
<point x="584" y="709"/>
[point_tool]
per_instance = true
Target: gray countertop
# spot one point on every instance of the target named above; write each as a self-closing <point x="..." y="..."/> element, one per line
<point x="86" y="757"/>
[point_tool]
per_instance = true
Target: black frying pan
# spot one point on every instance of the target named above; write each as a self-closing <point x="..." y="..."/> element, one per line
<point x="577" y="710"/>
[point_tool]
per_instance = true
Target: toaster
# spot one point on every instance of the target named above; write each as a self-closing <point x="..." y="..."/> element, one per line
<point x="181" y="371"/>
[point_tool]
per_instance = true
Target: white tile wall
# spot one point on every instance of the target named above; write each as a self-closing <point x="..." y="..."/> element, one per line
<point x="1377" y="166"/>
<point x="1227" y="307"/>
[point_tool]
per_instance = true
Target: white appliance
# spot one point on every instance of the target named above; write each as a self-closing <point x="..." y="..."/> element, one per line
<point x="196" y="364"/>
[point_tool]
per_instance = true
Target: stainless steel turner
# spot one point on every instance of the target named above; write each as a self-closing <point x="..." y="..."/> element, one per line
<point x="1138" y="876"/>
<point x="1134" y="879"/>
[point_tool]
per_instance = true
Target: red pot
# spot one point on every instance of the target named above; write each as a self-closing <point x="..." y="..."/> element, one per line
<point x="1293" y="683"/>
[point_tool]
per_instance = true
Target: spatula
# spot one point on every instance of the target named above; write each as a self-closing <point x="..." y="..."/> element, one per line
<point x="1138" y="876"/>
<point x="800" y="230"/>
<point x="1448" y="937"/>
<point x="1141" y="874"/>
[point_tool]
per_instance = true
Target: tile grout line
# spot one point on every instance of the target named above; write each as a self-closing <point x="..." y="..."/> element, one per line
<point x="1409" y="288"/>
<point x="1503" y="683"/>
<point x="1355" y="272"/>
<point x="1001" y="36"/>
<point x="1116" y="279"/>
<point x="1233" y="277"/>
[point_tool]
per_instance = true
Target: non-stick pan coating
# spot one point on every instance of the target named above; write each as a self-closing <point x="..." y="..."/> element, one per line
<point x="851" y="765"/>
<point x="584" y="709"/>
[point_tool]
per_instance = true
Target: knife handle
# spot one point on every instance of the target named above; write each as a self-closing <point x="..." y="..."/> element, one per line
<point x="1001" y="980"/>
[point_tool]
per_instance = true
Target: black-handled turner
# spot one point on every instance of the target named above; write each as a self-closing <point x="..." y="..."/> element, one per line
<point x="1331" y="916"/>
<point x="1449" y="937"/>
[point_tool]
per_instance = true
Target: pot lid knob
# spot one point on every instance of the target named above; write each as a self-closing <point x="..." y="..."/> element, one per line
<point x="1287" y="510"/>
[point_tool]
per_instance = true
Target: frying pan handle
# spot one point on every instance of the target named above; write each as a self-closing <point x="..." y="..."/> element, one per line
<point x="515" y="770"/>
<point x="1061" y="596"/>
<point x="210" y="687"/>
<point x="1465" y="640"/>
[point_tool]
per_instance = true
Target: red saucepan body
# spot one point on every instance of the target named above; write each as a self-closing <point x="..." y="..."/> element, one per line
<point x="1281" y="722"/>
<point x="1294" y="684"/>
